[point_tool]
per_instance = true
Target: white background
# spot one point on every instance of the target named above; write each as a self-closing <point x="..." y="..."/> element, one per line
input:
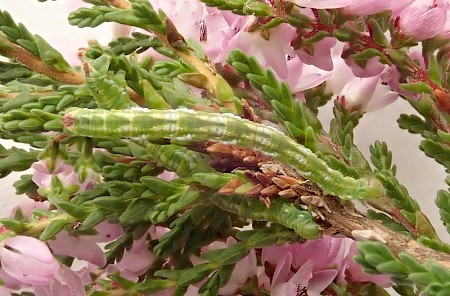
<point x="421" y="175"/>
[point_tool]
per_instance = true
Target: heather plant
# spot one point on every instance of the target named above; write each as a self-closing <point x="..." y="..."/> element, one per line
<point x="186" y="156"/>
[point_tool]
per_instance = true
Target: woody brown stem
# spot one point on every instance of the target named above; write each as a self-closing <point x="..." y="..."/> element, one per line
<point x="34" y="63"/>
<point x="346" y="223"/>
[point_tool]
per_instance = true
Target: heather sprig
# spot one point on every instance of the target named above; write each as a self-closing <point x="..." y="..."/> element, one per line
<point x="192" y="146"/>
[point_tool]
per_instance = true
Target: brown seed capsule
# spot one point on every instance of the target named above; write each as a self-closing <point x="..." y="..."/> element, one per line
<point x="281" y="183"/>
<point x="263" y="179"/>
<point x="290" y="180"/>
<point x="272" y="167"/>
<point x="255" y="191"/>
<point x="271" y="190"/>
<point x="230" y="187"/>
<point x="289" y="193"/>
<point x="315" y="201"/>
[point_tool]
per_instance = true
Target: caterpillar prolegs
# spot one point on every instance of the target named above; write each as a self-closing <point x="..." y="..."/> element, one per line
<point x="185" y="125"/>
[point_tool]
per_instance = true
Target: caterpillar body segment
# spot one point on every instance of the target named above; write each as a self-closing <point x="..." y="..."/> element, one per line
<point x="281" y="211"/>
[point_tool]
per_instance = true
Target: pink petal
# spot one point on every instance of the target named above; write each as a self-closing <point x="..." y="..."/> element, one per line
<point x="282" y="269"/>
<point x="368" y="7"/>
<point x="67" y="283"/>
<point x="322" y="54"/>
<point x="373" y="68"/>
<point x="285" y="289"/>
<point x="423" y="22"/>
<point x="80" y="247"/>
<point x="4" y="291"/>
<point x="30" y="247"/>
<point x="311" y="77"/>
<point x="10" y="282"/>
<point x="244" y="269"/>
<point x="303" y="274"/>
<point x="107" y="232"/>
<point x="322" y="4"/>
<point x="321" y="280"/>
<point x="26" y="269"/>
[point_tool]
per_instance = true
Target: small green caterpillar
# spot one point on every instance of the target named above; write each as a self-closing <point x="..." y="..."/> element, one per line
<point x="185" y="125"/>
<point x="280" y="211"/>
<point x="175" y="158"/>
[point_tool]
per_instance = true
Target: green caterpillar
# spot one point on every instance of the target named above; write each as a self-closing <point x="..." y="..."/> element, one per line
<point x="185" y="125"/>
<point x="280" y="211"/>
<point x="178" y="159"/>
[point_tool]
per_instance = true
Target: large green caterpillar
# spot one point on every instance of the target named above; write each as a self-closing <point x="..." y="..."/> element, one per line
<point x="280" y="211"/>
<point x="184" y="126"/>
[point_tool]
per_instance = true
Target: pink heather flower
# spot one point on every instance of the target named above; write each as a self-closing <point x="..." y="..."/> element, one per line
<point x="270" y="53"/>
<point x="66" y="282"/>
<point x="302" y="76"/>
<point x="321" y="57"/>
<point x="446" y="29"/>
<point x="423" y="19"/>
<point x="183" y="13"/>
<point x="373" y="67"/>
<point x="139" y="258"/>
<point x="10" y="282"/>
<point x="4" y="291"/>
<point x="28" y="260"/>
<point x="309" y="267"/>
<point x="244" y="269"/>
<point x="368" y="93"/>
<point x="219" y="32"/>
<point x="356" y="274"/>
<point x="224" y="31"/>
<point x="85" y="247"/>
<point x="397" y="7"/>
<point x="27" y="207"/>
<point x="392" y="78"/>
<point x="42" y="177"/>
<point x="322" y="4"/>
<point x="368" y="7"/>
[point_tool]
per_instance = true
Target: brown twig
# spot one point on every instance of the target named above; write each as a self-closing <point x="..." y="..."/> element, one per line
<point x="347" y="224"/>
<point x="336" y="215"/>
<point x="32" y="62"/>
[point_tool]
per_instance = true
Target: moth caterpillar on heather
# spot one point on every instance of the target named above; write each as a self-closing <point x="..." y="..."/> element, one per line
<point x="281" y="211"/>
<point x="185" y="125"/>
